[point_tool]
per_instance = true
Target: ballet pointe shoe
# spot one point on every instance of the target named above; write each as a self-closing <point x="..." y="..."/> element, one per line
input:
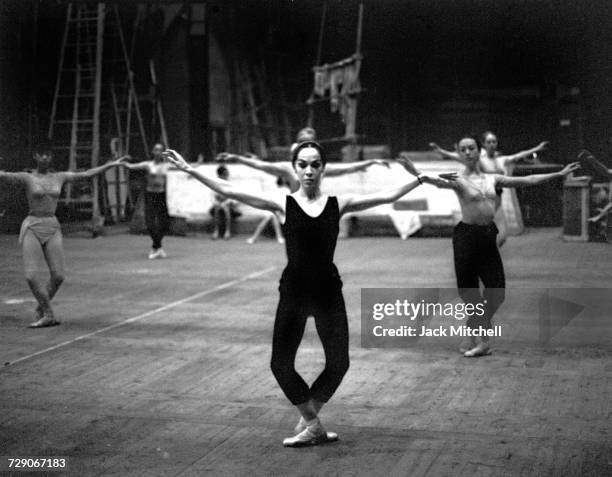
<point x="312" y="435"/>
<point x="301" y="425"/>
<point x="45" y="321"/>
<point x="467" y="344"/>
<point x="481" y="349"/>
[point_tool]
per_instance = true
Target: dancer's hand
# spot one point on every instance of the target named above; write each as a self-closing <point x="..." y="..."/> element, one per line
<point x="542" y="145"/>
<point x="381" y="162"/>
<point x="449" y="176"/>
<point x="436" y="181"/>
<point x="176" y="159"/>
<point x="408" y="164"/>
<point x="225" y="157"/>
<point x="434" y="147"/>
<point x="574" y="166"/>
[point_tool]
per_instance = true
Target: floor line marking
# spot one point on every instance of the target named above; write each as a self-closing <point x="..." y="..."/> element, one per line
<point x="142" y="316"/>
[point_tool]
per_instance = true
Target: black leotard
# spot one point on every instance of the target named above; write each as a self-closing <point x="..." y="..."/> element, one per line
<point x="310" y="285"/>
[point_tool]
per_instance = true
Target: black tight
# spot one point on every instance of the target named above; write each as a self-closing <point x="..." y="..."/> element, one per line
<point x="477" y="257"/>
<point x="325" y="302"/>
<point x="156" y="217"/>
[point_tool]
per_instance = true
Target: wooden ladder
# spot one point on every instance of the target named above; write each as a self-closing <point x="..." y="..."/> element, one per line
<point x="95" y="86"/>
<point x="74" y="125"/>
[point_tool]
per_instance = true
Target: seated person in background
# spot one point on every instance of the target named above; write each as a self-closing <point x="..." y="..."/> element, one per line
<point x="223" y="208"/>
<point x="283" y="190"/>
<point x="601" y="205"/>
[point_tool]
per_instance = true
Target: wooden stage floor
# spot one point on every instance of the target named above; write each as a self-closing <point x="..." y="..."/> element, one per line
<point x="162" y="367"/>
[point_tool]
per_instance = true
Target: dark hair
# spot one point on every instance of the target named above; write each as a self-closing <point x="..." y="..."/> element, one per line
<point x="304" y="145"/>
<point x="43" y="147"/>
<point x="470" y="136"/>
<point x="485" y="134"/>
<point x="308" y="131"/>
<point x="222" y="171"/>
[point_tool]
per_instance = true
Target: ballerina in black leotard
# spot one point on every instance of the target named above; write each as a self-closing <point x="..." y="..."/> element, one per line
<point x="310" y="284"/>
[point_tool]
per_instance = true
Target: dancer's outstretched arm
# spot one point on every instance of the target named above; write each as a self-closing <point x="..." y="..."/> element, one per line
<point x="405" y="161"/>
<point x="445" y="181"/>
<point x="354" y="203"/>
<point x="277" y="169"/>
<point x="512" y="158"/>
<point x="75" y="176"/>
<point x="13" y="177"/>
<point x="136" y="165"/>
<point x="534" y="179"/>
<point x="223" y="187"/>
<point x="333" y="169"/>
<point x="445" y="153"/>
<point x="285" y="170"/>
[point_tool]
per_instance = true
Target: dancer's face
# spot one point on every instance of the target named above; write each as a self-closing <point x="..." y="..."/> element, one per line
<point x="43" y="160"/>
<point x="468" y="150"/>
<point x="309" y="168"/>
<point x="157" y="152"/>
<point x="490" y="143"/>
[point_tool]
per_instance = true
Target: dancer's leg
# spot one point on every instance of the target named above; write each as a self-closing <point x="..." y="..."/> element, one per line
<point x="217" y="218"/>
<point x="262" y="224"/>
<point x="465" y="252"/>
<point x="227" y="210"/>
<point x="288" y="331"/>
<point x="277" y="229"/>
<point x="151" y="219"/>
<point x="345" y="227"/>
<point x="33" y="258"/>
<point x="332" y="327"/>
<point x="164" y="218"/>
<point x="491" y="272"/>
<point x="54" y="255"/>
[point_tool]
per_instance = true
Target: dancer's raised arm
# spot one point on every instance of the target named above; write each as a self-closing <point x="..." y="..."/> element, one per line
<point x="284" y="169"/>
<point x="13" y="177"/>
<point x="223" y="187"/>
<point x="354" y="203"/>
<point x="136" y="165"/>
<point x="74" y="176"/>
<point x="338" y="169"/>
<point x="278" y="169"/>
<point x="444" y="152"/>
<point x="534" y="179"/>
<point x="512" y="158"/>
